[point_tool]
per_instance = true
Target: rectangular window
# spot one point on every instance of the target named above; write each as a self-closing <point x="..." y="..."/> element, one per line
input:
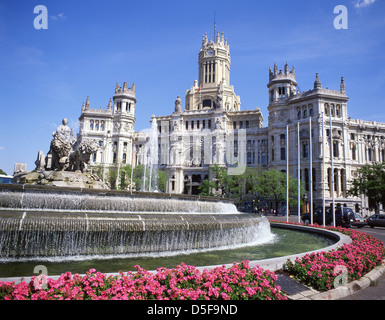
<point x="235" y="148"/>
<point x="247" y="124"/>
<point x="263" y="158"/>
<point x="186" y="125"/>
<point x="249" y="158"/>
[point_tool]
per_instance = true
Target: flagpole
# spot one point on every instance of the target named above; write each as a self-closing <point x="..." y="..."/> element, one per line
<point x="287" y="173"/>
<point x="311" y="171"/>
<point x="299" y="175"/>
<point x="323" y="168"/>
<point x="332" y="165"/>
<point x="215" y="26"/>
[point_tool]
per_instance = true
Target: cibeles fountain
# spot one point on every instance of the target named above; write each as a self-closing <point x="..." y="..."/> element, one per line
<point x="61" y="211"/>
<point x="65" y="164"/>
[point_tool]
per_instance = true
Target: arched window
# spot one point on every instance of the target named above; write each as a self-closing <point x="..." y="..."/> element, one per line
<point x="208" y="103"/>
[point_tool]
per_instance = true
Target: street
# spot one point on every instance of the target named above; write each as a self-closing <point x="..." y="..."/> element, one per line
<point x="377" y="291"/>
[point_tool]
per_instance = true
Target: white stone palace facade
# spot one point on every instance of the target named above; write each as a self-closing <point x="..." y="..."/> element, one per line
<point x="212" y="129"/>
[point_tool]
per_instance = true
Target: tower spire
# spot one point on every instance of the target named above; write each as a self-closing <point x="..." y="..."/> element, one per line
<point x="342" y="89"/>
<point x="317" y="83"/>
<point x="286" y="68"/>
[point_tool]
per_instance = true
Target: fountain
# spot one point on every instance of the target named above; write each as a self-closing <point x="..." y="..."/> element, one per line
<point x="65" y="164"/>
<point x="41" y="221"/>
<point x="49" y="215"/>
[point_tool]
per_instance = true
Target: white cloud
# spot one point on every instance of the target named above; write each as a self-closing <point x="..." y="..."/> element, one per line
<point x="60" y="16"/>
<point x="2" y="148"/>
<point x="363" y="3"/>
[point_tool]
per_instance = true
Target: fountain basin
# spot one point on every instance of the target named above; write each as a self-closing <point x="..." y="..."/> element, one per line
<point x="39" y="221"/>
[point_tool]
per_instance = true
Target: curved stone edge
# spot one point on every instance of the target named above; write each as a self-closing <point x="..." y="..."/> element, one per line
<point x="274" y="264"/>
<point x="351" y="288"/>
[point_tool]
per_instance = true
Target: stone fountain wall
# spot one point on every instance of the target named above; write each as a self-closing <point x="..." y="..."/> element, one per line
<point x="38" y="221"/>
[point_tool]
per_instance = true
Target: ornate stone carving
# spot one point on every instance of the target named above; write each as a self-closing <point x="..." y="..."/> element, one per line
<point x="81" y="156"/>
<point x="67" y="154"/>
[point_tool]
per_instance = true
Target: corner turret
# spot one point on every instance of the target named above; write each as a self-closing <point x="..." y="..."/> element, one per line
<point x="282" y="84"/>
<point x="124" y="98"/>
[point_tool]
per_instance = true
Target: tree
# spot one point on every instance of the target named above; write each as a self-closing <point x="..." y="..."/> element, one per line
<point x="2" y="172"/>
<point x="271" y="185"/>
<point x="371" y="183"/>
<point x="111" y="176"/>
<point x="207" y="188"/>
<point x="252" y="184"/>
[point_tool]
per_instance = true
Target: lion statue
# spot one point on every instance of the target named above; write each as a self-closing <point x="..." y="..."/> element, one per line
<point x="81" y="156"/>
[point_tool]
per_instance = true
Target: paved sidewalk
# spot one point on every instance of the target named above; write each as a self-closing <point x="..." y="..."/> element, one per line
<point x="369" y="287"/>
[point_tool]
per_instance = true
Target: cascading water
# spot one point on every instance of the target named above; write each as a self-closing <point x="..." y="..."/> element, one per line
<point x="41" y="222"/>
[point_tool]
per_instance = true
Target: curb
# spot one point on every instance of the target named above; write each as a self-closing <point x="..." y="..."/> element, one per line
<point x="343" y="291"/>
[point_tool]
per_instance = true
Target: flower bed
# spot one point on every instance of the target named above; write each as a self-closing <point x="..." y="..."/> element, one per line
<point x="324" y="270"/>
<point x="240" y="282"/>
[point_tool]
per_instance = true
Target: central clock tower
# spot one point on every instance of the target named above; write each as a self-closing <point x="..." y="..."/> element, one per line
<point x="214" y="62"/>
<point x="213" y="90"/>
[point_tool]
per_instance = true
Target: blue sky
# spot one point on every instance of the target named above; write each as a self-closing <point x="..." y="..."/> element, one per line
<point x="46" y="75"/>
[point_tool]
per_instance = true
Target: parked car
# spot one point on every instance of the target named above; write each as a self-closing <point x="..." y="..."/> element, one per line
<point x="344" y="216"/>
<point x="358" y="221"/>
<point x="317" y="217"/>
<point x="377" y="220"/>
